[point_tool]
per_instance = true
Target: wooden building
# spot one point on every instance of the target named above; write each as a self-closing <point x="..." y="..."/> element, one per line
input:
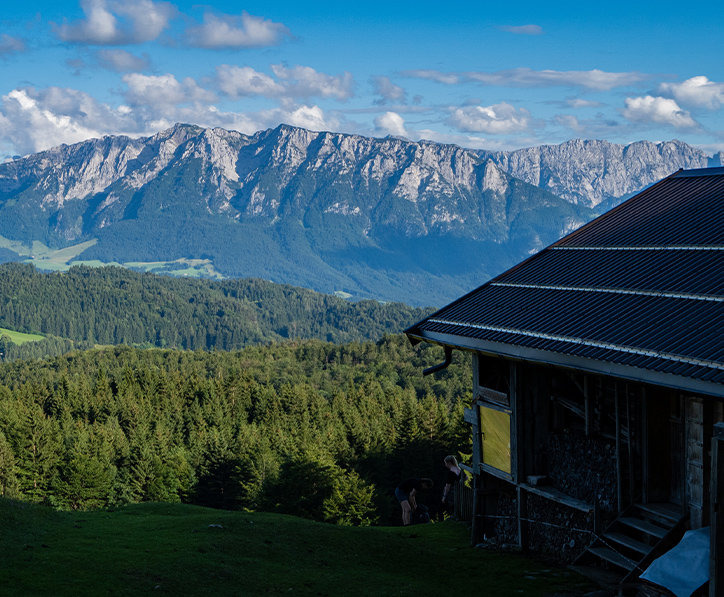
<point x="598" y="382"/>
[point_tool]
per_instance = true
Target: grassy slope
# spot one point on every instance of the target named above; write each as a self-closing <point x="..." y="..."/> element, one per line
<point x="173" y="550"/>
<point x="20" y="337"/>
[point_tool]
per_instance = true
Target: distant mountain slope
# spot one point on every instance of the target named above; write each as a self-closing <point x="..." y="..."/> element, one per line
<point x="384" y="218"/>
<point x="116" y="306"/>
<point x="598" y="172"/>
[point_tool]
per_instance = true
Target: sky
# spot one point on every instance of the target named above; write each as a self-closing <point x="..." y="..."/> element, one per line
<point x="501" y="75"/>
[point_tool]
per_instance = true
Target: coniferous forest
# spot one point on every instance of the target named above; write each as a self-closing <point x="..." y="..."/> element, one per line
<point x="308" y="427"/>
<point x="111" y="305"/>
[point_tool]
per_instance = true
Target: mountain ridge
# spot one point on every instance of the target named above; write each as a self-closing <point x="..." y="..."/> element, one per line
<point x="418" y="222"/>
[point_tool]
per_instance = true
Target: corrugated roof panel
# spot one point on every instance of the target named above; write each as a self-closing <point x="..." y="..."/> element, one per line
<point x="675" y="211"/>
<point x="692" y="272"/>
<point x="641" y="286"/>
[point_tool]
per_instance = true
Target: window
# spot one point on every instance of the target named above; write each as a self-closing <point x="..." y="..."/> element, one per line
<point x="495" y="436"/>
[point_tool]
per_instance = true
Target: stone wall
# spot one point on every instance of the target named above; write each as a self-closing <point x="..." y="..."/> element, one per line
<point x="583" y="467"/>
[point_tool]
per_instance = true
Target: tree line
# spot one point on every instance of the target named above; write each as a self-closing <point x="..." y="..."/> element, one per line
<point x="111" y="305"/>
<point x="308" y="427"/>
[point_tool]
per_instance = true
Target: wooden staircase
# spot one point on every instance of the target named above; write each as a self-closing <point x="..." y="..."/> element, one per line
<point x="639" y="535"/>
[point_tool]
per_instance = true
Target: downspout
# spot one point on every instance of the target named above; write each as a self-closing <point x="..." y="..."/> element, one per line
<point x="440" y="366"/>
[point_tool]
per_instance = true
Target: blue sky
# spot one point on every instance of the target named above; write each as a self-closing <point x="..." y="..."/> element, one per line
<point x="496" y="77"/>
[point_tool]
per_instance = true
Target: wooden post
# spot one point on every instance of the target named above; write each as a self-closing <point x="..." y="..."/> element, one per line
<point x="644" y="447"/>
<point x="629" y="439"/>
<point x="619" y="497"/>
<point x="716" y="560"/>
<point x="586" y="406"/>
<point x="475" y="522"/>
<point x="522" y="515"/>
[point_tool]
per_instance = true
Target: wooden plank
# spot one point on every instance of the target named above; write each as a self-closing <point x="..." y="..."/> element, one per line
<point x="558" y="496"/>
<point x="644" y="446"/>
<point x="716" y="560"/>
<point x="629" y="542"/>
<point x="493" y="395"/>
<point x="645" y="526"/>
<point x="614" y="557"/>
<point x="587" y="406"/>
<point x="667" y="512"/>
<point x="619" y="496"/>
<point x="470" y="415"/>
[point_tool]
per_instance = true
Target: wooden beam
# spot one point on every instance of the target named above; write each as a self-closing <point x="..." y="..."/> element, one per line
<point x="629" y="439"/>
<point x="522" y="517"/>
<point x="619" y="496"/>
<point x="644" y="447"/>
<point x="586" y="406"/>
<point x="716" y="560"/>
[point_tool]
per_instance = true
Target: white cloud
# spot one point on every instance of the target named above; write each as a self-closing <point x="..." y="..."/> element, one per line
<point x="121" y="61"/>
<point x="229" y="31"/>
<point x="304" y="81"/>
<point x="308" y="117"/>
<point x="391" y="123"/>
<point x="498" y="119"/>
<point x="581" y="103"/>
<point x="387" y="90"/>
<point x="237" y="81"/>
<point x="523" y="29"/>
<point x="569" y="121"/>
<point x="10" y="45"/>
<point x="658" y="109"/>
<point x="433" y="75"/>
<point x="526" y="77"/>
<point x="36" y="120"/>
<point x="163" y="90"/>
<point x="697" y="91"/>
<point x="116" y="22"/>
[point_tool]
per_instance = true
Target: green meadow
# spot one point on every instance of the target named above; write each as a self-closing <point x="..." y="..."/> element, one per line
<point x="20" y="337"/>
<point x="173" y="549"/>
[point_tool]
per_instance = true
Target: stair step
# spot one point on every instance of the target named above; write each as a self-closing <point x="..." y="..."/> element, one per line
<point x="630" y="542"/>
<point x="613" y="557"/>
<point x="645" y="526"/>
<point x="666" y="512"/>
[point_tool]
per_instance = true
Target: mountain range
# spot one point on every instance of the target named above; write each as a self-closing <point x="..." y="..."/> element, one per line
<point x="418" y="222"/>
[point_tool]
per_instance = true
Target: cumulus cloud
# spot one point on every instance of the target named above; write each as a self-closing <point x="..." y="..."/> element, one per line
<point x="304" y="81"/>
<point x="523" y="29"/>
<point x="500" y="118"/>
<point x="163" y="90"/>
<point x="658" y="109"/>
<point x="238" y="81"/>
<point x="308" y="117"/>
<point x="387" y="90"/>
<point x="698" y="92"/>
<point x="391" y="123"/>
<point x="117" y="22"/>
<point x="121" y="61"/>
<point x="10" y="45"/>
<point x="230" y="31"/>
<point x="33" y="120"/>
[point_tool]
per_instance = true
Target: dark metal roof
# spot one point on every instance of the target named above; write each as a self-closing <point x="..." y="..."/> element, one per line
<point x="638" y="293"/>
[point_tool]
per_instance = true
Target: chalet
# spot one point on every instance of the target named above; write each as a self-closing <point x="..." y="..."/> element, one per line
<point x="598" y="384"/>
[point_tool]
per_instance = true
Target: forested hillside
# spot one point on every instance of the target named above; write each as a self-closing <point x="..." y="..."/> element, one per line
<point x="309" y="428"/>
<point x="87" y="306"/>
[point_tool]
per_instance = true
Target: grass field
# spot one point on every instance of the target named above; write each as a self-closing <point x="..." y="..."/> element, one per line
<point x="169" y="549"/>
<point x="55" y="260"/>
<point x="19" y="337"/>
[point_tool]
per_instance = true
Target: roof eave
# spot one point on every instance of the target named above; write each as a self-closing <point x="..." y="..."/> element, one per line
<point x="514" y="351"/>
